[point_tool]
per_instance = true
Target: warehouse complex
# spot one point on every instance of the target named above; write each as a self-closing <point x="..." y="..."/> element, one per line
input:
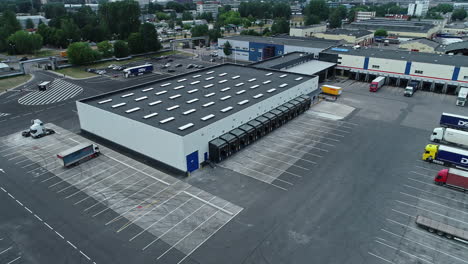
<point x="436" y="72"/>
<point x="414" y="29"/>
<point x="186" y="120"/>
<point x="252" y="48"/>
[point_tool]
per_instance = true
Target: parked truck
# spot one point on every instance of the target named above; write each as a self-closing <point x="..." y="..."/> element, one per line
<point x="441" y="229"/>
<point x="462" y="95"/>
<point x="454" y="121"/>
<point x="37" y="130"/>
<point x="446" y="155"/>
<point x="78" y="153"/>
<point x="43" y="86"/>
<point x="453" y="178"/>
<point x="376" y="84"/>
<point x="331" y="90"/>
<point x="138" y="70"/>
<point x="411" y="88"/>
<point x="450" y="136"/>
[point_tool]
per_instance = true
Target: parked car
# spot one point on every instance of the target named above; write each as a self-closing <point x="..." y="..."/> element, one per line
<point x="111" y="66"/>
<point x="178" y="65"/>
<point x="190" y="66"/>
<point x="164" y="67"/>
<point x="24" y="59"/>
<point x="212" y="60"/>
<point x="171" y="70"/>
<point x="170" y="60"/>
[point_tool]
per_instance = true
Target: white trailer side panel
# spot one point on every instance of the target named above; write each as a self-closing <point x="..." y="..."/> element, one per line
<point x="456" y="136"/>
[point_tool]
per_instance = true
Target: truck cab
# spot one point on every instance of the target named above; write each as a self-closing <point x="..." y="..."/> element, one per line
<point x="430" y="152"/>
<point x="462" y="95"/>
<point x="437" y="134"/>
<point x="409" y="91"/>
<point x="441" y="177"/>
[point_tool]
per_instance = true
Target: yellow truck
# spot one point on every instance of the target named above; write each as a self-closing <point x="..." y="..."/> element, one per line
<point x="331" y="90"/>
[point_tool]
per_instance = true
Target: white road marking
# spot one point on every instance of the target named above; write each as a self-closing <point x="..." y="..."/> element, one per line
<point x="139" y="170"/>
<point x="27" y="209"/>
<point x="10" y="262"/>
<point x="46" y="224"/>
<point x="19" y="202"/>
<point x="71" y="244"/>
<point x="74" y="140"/>
<point x="386" y="260"/>
<point x="426" y="168"/>
<point x="3" y="189"/>
<point x="424" y="175"/>
<point x="81" y="252"/>
<point x="282" y="171"/>
<point x="288" y="163"/>
<point x="434" y="194"/>
<point x="439" y="204"/>
<point x="210" y="204"/>
<point x="9" y="194"/>
<point x="399" y="250"/>
<point x="420" y="208"/>
<point x="5" y="250"/>
<point x="38" y="218"/>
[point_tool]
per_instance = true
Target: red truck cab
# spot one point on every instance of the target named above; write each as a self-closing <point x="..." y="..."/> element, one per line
<point x="441" y="177"/>
<point x="452" y="177"/>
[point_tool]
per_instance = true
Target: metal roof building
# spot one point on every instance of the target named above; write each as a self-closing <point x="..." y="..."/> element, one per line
<point x="172" y="120"/>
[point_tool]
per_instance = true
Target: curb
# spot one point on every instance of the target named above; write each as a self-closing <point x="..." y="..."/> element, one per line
<point x="69" y="77"/>
<point x="13" y="89"/>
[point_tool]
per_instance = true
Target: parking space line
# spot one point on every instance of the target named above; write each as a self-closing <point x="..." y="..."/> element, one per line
<point x="424" y="175"/>
<point x="286" y="182"/>
<point x="292" y="156"/>
<point x="399" y="250"/>
<point x="71" y="244"/>
<point x="312" y="135"/>
<point x="434" y="194"/>
<point x="290" y="148"/>
<point x="5" y="250"/>
<point x="425" y="168"/>
<point x="13" y="260"/>
<point x="400" y="212"/>
<point x="317" y="125"/>
<point x="290" y="164"/>
<point x="318" y="130"/>
<point x="379" y="257"/>
<point x="420" y="181"/>
<point x="299" y="143"/>
<point x="210" y="204"/>
<point x="420" y="208"/>
<point x="66" y="179"/>
<point x="429" y="201"/>
<point x="280" y="170"/>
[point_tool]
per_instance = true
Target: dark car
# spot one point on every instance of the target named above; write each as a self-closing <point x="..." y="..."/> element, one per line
<point x="178" y="65"/>
<point x="24" y="59"/>
<point x="170" y="60"/>
<point x="164" y="67"/>
<point x="190" y="66"/>
<point x="171" y="70"/>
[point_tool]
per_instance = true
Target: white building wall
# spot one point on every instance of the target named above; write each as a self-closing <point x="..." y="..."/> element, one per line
<point x="199" y="139"/>
<point x="351" y="61"/>
<point x="241" y="49"/>
<point x="463" y="74"/>
<point x="386" y="65"/>
<point x="288" y="49"/>
<point x="432" y="70"/>
<point x="139" y="137"/>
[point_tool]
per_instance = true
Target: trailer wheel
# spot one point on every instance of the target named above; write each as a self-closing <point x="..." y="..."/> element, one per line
<point x="448" y="236"/>
<point x="431" y="230"/>
<point x="440" y="233"/>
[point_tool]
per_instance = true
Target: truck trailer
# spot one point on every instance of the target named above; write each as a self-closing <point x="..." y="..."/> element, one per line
<point x="138" y="70"/>
<point x="462" y="95"/>
<point x="78" y="153"/>
<point x="331" y="90"/>
<point x="450" y="136"/>
<point x="452" y="178"/>
<point x="441" y="229"/>
<point x="376" y="84"/>
<point x="446" y="155"/>
<point x="454" y="121"/>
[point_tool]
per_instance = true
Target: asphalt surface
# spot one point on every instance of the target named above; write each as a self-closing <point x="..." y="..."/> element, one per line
<point x="333" y="206"/>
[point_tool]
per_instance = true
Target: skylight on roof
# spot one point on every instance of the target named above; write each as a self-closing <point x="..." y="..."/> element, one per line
<point x="225" y="97"/>
<point x="253" y="79"/>
<point x="179" y="87"/>
<point x="141" y="98"/>
<point x="195" y="82"/>
<point x="283" y="85"/>
<point x="254" y="86"/>
<point x="209" y="95"/>
<point x="257" y="96"/>
<point x="240" y="92"/>
<point x="224" y="110"/>
<point x="208" y="85"/>
<point x="174" y="96"/>
<point x="172" y="107"/>
<point x="127" y="95"/>
<point x="105" y="101"/>
<point x="222" y="74"/>
<point x="192" y="101"/>
<point x="196" y="76"/>
<point x="235" y="77"/>
<point x="298" y="78"/>
<point x="283" y="75"/>
<point x="185" y="126"/>
<point x="268" y="74"/>
<point x="161" y="92"/>
<point x="189" y="111"/>
<point x="192" y="91"/>
<point x="210" y="72"/>
<point x="209" y="78"/>
<point x="132" y="110"/>
<point x="165" y="84"/>
<point x="150" y="115"/>
<point x="207" y="117"/>
<point x="182" y="80"/>
<point x="155" y="103"/>
<point x="266" y="82"/>
<point x="243" y="102"/>
<point x="166" y="120"/>
<point x="147" y="89"/>
<point x="222" y="81"/>
<point x="118" y="105"/>
<point x="225" y="89"/>
<point x="271" y="90"/>
<point x="209" y="104"/>
<point x="239" y="84"/>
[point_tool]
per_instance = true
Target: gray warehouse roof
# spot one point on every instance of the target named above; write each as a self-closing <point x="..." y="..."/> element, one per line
<point x="290" y="41"/>
<point x="393" y="25"/>
<point x="402" y="55"/>
<point x="463" y="45"/>
<point x="425" y="41"/>
<point x="282" y="61"/>
<point x="185" y="103"/>
<point x="349" y="32"/>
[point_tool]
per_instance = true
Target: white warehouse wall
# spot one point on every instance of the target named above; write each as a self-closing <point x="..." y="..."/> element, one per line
<point x="394" y="66"/>
<point x="432" y="70"/>
<point x="198" y="140"/>
<point x="242" y="49"/>
<point x="289" y="49"/>
<point x="463" y="73"/>
<point x="351" y="61"/>
<point x="147" y="140"/>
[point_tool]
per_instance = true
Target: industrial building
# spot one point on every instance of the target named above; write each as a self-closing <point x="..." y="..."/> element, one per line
<point x="435" y="72"/>
<point x="420" y="44"/>
<point x="208" y="7"/>
<point x="460" y="48"/>
<point x="412" y="29"/>
<point x="253" y="48"/>
<point x="364" y="15"/>
<point x="307" y="31"/>
<point x="356" y="37"/>
<point x="418" y="8"/>
<point x="186" y="120"/>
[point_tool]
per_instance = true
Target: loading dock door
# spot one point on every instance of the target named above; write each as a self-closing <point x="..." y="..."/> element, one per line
<point x="250" y="133"/>
<point x="192" y="161"/>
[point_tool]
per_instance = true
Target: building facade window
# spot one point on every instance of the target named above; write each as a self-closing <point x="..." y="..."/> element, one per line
<point x="418" y="72"/>
<point x="375" y="67"/>
<point x="465" y="77"/>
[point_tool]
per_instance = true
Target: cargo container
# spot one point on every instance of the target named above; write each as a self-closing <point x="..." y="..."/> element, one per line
<point x="450" y="136"/>
<point x="454" y="121"/>
<point x="79" y="153"/>
<point x="453" y="178"/>
<point x="376" y="84"/>
<point x="446" y="155"/>
<point x="331" y="90"/>
<point x="441" y="229"/>
<point x="138" y="70"/>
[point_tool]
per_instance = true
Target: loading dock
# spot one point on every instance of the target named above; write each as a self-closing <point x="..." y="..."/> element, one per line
<point x="308" y="100"/>
<point x="232" y="141"/>
<point x="273" y="120"/>
<point x="258" y="128"/>
<point x="265" y="124"/>
<point x="241" y="136"/>
<point x="303" y="104"/>
<point x="290" y="110"/>
<point x="284" y="114"/>
<point x="279" y="117"/>
<point x="250" y="131"/>
<point x="218" y="149"/>
<point x="297" y="107"/>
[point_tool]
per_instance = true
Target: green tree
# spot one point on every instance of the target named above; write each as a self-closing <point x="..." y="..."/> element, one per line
<point x="105" y="48"/>
<point x="380" y="33"/>
<point x="207" y="16"/>
<point x="342" y="11"/>
<point x="120" y="18"/>
<point x="59" y="38"/>
<point x="71" y="30"/>
<point x="187" y="16"/>
<point x="135" y="43"/>
<point x="227" y="48"/>
<point x="179" y="8"/>
<point x="250" y="32"/>
<point x="54" y="10"/>
<point x="29" y="24"/>
<point x="266" y="32"/>
<point x="153" y="8"/>
<point x="444" y="8"/>
<point x="311" y="20"/>
<point x="280" y="26"/>
<point x="459" y="14"/>
<point x="21" y="42"/>
<point x="214" y="34"/>
<point x="335" y="19"/>
<point x="149" y="36"/>
<point x="199" y="31"/>
<point x="162" y="16"/>
<point x="46" y="33"/>
<point x="121" y="49"/>
<point x="80" y="53"/>
<point x="318" y="8"/>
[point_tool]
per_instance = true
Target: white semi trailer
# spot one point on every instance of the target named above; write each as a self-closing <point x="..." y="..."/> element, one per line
<point x="450" y="136"/>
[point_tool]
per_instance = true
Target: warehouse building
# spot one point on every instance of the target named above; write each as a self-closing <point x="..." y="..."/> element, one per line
<point x="175" y="120"/>
<point x="436" y="72"/>
<point x="253" y="48"/>
<point x="420" y="44"/>
<point x="460" y="48"/>
<point x="412" y="29"/>
<point x="307" y="31"/>
<point x="356" y="37"/>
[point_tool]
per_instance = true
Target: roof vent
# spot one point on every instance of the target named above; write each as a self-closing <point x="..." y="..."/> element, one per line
<point x="185" y="126"/>
<point x="298" y="78"/>
<point x="179" y="87"/>
<point x="243" y="102"/>
<point x="254" y="86"/>
<point x="155" y="103"/>
<point x="118" y="105"/>
<point x="284" y="75"/>
<point x="166" y="120"/>
<point x="268" y="74"/>
<point x="192" y="101"/>
<point x="161" y="92"/>
<point x="189" y="111"/>
<point x="239" y="84"/>
<point x="235" y="77"/>
<point x="192" y="91"/>
<point x="196" y="76"/>
<point x="195" y="82"/>
<point x="207" y="117"/>
<point x="165" y="84"/>
<point x="224" y="110"/>
<point x="258" y="96"/>
<point x="175" y="96"/>
<point x="208" y="104"/>
<point x="147" y="89"/>
<point x="225" y="97"/>
<point x="127" y="95"/>
<point x="105" y="101"/>
<point x="132" y="110"/>
<point x="210" y="72"/>
<point x="271" y="90"/>
<point x="283" y="85"/>
<point x="208" y="85"/>
<point x="172" y="107"/>
<point x="225" y="89"/>
<point x="141" y="98"/>
<point x="253" y="79"/>
<point x="222" y="81"/>
<point x="150" y="115"/>
<point x="209" y="78"/>
<point x="266" y="82"/>
<point x="182" y="80"/>
<point x="222" y="74"/>
<point x="240" y="92"/>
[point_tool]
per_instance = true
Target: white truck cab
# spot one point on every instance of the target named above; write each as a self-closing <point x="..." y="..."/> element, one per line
<point x="462" y="96"/>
